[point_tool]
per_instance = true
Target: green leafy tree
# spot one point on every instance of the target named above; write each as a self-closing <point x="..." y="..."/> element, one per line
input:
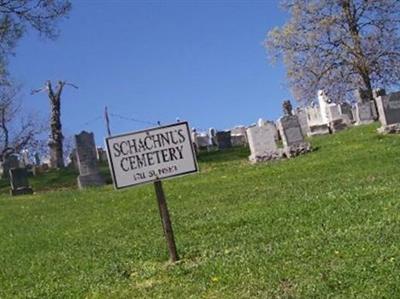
<point x="338" y="46"/>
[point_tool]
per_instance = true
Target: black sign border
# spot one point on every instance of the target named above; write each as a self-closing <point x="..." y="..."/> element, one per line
<point x="149" y="130"/>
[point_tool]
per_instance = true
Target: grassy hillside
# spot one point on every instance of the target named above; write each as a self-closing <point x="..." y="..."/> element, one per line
<point x="326" y="224"/>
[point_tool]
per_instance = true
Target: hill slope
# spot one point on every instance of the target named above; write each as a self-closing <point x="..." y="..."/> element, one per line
<point x="326" y="223"/>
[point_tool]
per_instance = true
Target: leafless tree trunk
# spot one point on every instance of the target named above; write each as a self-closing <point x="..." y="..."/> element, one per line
<point x="56" y="136"/>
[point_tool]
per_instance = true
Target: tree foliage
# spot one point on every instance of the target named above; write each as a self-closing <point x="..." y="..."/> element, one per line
<point x="17" y="16"/>
<point x="338" y="46"/>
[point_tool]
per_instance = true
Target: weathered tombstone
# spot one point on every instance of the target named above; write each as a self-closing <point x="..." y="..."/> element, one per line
<point x="223" y="139"/>
<point x="19" y="182"/>
<point x="238" y="136"/>
<point x="87" y="161"/>
<point x="315" y="122"/>
<point x="101" y="155"/>
<point x="302" y="117"/>
<point x="262" y="143"/>
<point x="346" y="112"/>
<point x="10" y="162"/>
<point x="389" y="112"/>
<point x="363" y="106"/>
<point x="292" y="137"/>
<point x="203" y="140"/>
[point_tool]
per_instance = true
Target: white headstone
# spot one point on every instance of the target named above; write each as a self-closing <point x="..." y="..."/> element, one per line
<point x="262" y="143"/>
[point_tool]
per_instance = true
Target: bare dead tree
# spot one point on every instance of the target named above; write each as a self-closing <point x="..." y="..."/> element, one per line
<point x="56" y="137"/>
<point x="18" y="130"/>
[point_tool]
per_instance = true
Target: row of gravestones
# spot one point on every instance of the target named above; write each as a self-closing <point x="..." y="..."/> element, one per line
<point x="262" y="139"/>
<point x="87" y="162"/>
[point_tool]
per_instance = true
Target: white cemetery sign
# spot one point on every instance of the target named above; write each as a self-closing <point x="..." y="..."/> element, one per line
<point x="151" y="155"/>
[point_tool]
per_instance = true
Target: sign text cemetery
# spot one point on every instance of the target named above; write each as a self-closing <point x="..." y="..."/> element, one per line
<point x="150" y="155"/>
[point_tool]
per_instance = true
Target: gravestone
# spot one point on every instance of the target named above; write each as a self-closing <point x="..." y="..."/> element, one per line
<point x="292" y="137"/>
<point x="19" y="182"/>
<point x="223" y="139"/>
<point x="346" y="112"/>
<point x="87" y="161"/>
<point x="10" y="162"/>
<point x="364" y="114"/>
<point x="101" y="155"/>
<point x="330" y="112"/>
<point x="262" y="143"/>
<point x="203" y="140"/>
<point x="238" y="136"/>
<point x="315" y="123"/>
<point x="389" y="112"/>
<point x="302" y="117"/>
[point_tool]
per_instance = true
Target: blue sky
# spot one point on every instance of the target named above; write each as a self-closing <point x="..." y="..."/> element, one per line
<point x="202" y="61"/>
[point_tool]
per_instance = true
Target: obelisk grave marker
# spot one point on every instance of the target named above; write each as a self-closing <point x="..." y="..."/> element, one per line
<point x="150" y="156"/>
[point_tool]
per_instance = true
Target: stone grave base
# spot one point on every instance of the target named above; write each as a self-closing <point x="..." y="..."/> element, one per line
<point x="337" y="125"/>
<point x="364" y="122"/>
<point x="90" y="180"/>
<point x="390" y="129"/>
<point x="318" y="130"/>
<point x="297" y="149"/>
<point x="21" y="191"/>
<point x="266" y="156"/>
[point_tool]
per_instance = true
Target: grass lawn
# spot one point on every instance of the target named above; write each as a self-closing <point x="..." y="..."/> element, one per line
<point x="326" y="224"/>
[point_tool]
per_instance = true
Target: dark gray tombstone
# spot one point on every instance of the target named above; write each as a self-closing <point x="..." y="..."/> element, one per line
<point x="87" y="161"/>
<point x="346" y="109"/>
<point x="10" y="161"/>
<point x="224" y="139"/>
<point x="389" y="112"/>
<point x="292" y="136"/>
<point x="101" y="155"/>
<point x="290" y="130"/>
<point x="19" y="182"/>
<point x="389" y="108"/>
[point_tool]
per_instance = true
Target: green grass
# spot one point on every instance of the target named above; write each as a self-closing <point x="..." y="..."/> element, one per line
<point x="326" y="224"/>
